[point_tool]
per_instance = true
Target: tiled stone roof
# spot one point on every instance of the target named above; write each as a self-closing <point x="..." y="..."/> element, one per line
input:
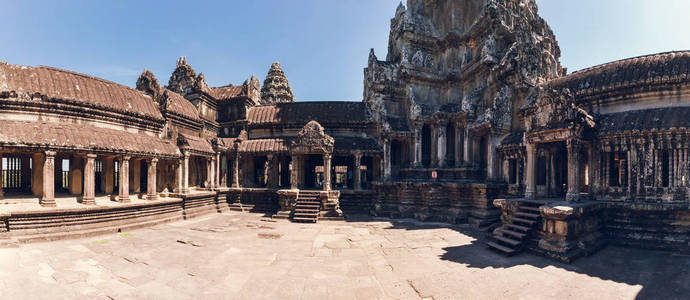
<point x="82" y="137"/>
<point x="226" y="142"/>
<point x="226" y="92"/>
<point x="197" y="144"/>
<point x="180" y="105"/>
<point x="275" y="145"/>
<point x="303" y="112"/>
<point x="56" y="84"/>
<point x="644" y="72"/>
<point x="648" y="119"/>
<point x="514" y="138"/>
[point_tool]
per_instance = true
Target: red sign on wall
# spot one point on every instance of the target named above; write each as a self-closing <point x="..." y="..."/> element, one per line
<point x="434" y="175"/>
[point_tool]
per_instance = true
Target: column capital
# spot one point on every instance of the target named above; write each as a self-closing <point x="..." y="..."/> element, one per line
<point x="50" y="153"/>
<point x="153" y="160"/>
<point x="186" y="154"/>
<point x="124" y="157"/>
<point x="91" y="156"/>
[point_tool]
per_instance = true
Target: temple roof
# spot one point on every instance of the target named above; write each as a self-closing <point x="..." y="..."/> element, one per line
<point x="196" y="144"/>
<point x="648" y="119"/>
<point x="82" y="137"/>
<point x="303" y="112"/>
<point x="56" y="84"/>
<point x="275" y="145"/>
<point x="514" y="138"/>
<point x="181" y="106"/>
<point x="645" y="72"/>
<point x="226" y="92"/>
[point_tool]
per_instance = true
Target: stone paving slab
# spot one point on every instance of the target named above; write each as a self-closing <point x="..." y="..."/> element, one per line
<point x="245" y="256"/>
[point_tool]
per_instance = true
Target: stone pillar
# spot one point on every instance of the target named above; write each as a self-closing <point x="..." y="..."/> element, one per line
<point x="109" y="174"/>
<point x="268" y="171"/>
<point x="236" y="170"/>
<point x="123" y="173"/>
<point x="2" y="193"/>
<point x="89" y="195"/>
<point x="212" y="172"/>
<point x="458" y="145"/>
<point x="434" y="126"/>
<point x="185" y="174"/>
<point x="180" y="175"/>
<point x="466" y="146"/>
<point x="492" y="164"/>
<point x="357" y="172"/>
<point x="417" y="147"/>
<point x="573" y="194"/>
<point x="531" y="188"/>
<point x="294" y="171"/>
<point x="274" y="162"/>
<point x="36" y="176"/>
<point x="327" y="171"/>
<point x="387" y="160"/>
<point x="223" y="170"/>
<point x="152" y="193"/>
<point x="441" y="146"/>
<point x="217" y="181"/>
<point x="48" y="197"/>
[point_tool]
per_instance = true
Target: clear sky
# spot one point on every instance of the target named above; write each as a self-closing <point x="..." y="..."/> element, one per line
<point x="322" y="44"/>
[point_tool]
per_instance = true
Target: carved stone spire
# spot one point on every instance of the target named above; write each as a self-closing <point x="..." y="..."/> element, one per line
<point x="276" y="88"/>
<point x="251" y="88"/>
<point x="183" y="79"/>
<point x="148" y="84"/>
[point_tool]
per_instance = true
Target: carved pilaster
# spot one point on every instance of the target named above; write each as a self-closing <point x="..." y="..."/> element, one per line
<point x="89" y="191"/>
<point x="574" y="147"/>
<point x="357" y="172"/>
<point x="531" y="188"/>
<point x="327" y="172"/>
<point x="151" y="188"/>
<point x="48" y="197"/>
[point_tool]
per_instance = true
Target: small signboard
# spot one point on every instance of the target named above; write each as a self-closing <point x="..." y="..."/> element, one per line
<point x="434" y="174"/>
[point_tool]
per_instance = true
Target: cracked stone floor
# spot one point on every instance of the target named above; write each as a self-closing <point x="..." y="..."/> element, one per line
<point x="245" y="256"/>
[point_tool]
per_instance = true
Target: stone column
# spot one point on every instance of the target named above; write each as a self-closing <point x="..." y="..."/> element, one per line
<point x="441" y="148"/>
<point x="417" y="147"/>
<point x="466" y="146"/>
<point x="36" y="176"/>
<point x="217" y="181"/>
<point x="108" y="174"/>
<point x="212" y="172"/>
<point x="492" y="170"/>
<point x="357" y="172"/>
<point x="236" y="170"/>
<point x="123" y="194"/>
<point x="180" y="176"/>
<point x="151" y="191"/>
<point x="458" y="145"/>
<point x="185" y="174"/>
<point x="531" y="188"/>
<point x="294" y="170"/>
<point x="434" y="126"/>
<point x="223" y="170"/>
<point x="2" y="194"/>
<point x="573" y="194"/>
<point x="327" y="171"/>
<point x="268" y="172"/>
<point x="387" y="160"/>
<point x="135" y="176"/>
<point x="89" y="195"/>
<point x="48" y="197"/>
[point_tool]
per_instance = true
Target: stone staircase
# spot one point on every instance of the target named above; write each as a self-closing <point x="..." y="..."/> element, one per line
<point x="509" y="239"/>
<point x="307" y="207"/>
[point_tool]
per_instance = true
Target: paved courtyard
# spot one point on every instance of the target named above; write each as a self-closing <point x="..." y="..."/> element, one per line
<point x="245" y="256"/>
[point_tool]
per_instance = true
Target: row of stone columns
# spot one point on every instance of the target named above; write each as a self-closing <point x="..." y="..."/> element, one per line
<point x="439" y="140"/>
<point x="573" y="194"/>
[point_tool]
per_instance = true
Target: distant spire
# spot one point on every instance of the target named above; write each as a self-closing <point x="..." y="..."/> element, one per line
<point x="276" y="88"/>
<point x="401" y="8"/>
<point x="183" y="80"/>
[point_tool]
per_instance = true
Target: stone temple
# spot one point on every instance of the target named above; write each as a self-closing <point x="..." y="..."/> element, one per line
<point x="470" y="118"/>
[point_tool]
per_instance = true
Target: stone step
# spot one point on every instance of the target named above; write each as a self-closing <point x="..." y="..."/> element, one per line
<point x="530" y="208"/>
<point x="308" y="201"/>
<point x="507" y="240"/>
<point x="303" y="215"/>
<point x="512" y="233"/>
<point x="526" y="221"/>
<point x="527" y="215"/>
<point x="308" y="206"/>
<point x="518" y="227"/>
<point x="501" y="248"/>
<point x="306" y="210"/>
<point x="532" y="202"/>
<point x="304" y="220"/>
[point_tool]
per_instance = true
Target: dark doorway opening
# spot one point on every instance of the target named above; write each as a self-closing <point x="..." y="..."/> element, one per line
<point x="426" y="145"/>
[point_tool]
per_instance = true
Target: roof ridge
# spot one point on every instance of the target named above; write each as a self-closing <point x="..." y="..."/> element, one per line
<point x="625" y="60"/>
<point x="83" y="75"/>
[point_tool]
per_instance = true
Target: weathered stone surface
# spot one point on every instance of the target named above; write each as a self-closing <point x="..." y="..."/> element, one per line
<point x="276" y="88"/>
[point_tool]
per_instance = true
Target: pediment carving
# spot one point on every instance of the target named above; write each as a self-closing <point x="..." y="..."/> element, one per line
<point x="312" y="139"/>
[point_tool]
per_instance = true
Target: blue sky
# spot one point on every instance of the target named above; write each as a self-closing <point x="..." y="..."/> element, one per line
<point x="322" y="44"/>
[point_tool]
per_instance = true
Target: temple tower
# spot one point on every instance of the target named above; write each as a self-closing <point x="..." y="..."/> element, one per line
<point x="276" y="88"/>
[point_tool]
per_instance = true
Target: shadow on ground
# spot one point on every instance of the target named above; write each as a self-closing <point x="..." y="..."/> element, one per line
<point x="662" y="275"/>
